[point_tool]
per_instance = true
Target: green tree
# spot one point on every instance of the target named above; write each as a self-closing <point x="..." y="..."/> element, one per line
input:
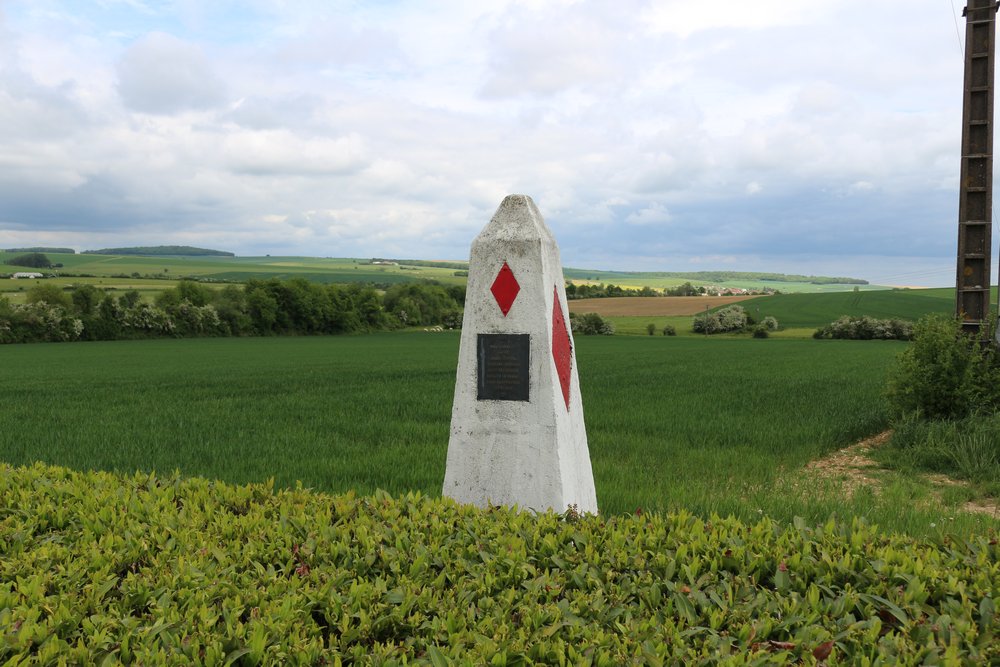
<point x="130" y="299"/>
<point x="107" y="324"/>
<point x="944" y="374"/>
<point x="194" y="293"/>
<point x="231" y="304"/>
<point x="85" y="299"/>
<point x="50" y="294"/>
<point x="369" y="308"/>
<point x="34" y="260"/>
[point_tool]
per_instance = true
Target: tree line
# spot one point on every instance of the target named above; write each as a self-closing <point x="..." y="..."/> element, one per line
<point x="31" y="260"/>
<point x="585" y="291"/>
<point x="258" y="308"/>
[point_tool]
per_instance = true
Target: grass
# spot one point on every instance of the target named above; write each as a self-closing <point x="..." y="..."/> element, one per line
<point x="815" y="310"/>
<point x="658" y="280"/>
<point x="799" y="315"/>
<point x="635" y="325"/>
<point x="169" y="270"/>
<point x="242" y="268"/>
<point x="655" y="306"/>
<point x="16" y="290"/>
<point x="330" y="269"/>
<point x="719" y="425"/>
<point x="965" y="449"/>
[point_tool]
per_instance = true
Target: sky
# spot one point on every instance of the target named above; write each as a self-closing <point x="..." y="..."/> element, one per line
<point x="818" y="137"/>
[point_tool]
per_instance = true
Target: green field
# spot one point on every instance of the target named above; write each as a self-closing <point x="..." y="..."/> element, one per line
<point x="659" y="280"/>
<point x="329" y="270"/>
<point x="243" y="268"/>
<point x="152" y="275"/>
<point x="16" y="290"/>
<point x="801" y="314"/>
<point x="815" y="310"/>
<point x="709" y="425"/>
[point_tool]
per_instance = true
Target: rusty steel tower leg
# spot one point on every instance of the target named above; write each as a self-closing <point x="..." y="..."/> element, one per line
<point x="975" y="209"/>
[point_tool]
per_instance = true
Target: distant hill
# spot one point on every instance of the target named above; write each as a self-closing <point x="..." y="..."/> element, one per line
<point x="431" y="263"/>
<point x="162" y="251"/>
<point x="66" y="251"/>
<point x="720" y="276"/>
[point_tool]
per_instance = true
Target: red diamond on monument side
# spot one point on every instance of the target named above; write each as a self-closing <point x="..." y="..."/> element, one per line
<point x="505" y="289"/>
<point x="562" y="348"/>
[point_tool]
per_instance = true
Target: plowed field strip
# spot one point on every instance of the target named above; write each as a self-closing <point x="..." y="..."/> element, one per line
<point x="652" y="305"/>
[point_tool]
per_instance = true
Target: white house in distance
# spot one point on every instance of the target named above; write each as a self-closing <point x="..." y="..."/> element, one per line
<point x="26" y="274"/>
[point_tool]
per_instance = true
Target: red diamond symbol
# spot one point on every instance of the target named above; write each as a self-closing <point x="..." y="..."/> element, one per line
<point x="505" y="289"/>
<point x="562" y="348"/>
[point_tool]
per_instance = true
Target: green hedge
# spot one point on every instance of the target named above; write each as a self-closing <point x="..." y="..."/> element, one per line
<point x="96" y="567"/>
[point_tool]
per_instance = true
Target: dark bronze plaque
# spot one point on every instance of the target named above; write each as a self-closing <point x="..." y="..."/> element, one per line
<point x="502" y="367"/>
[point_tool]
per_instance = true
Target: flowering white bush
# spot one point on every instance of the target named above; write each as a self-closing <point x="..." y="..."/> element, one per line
<point x="730" y="318"/>
<point x="191" y="319"/>
<point x="144" y="317"/>
<point x="39" y="321"/>
<point x="866" y="328"/>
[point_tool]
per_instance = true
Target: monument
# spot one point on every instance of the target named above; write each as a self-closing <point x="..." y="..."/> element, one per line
<point x="517" y="429"/>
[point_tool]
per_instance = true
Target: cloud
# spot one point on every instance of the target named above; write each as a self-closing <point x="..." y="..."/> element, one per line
<point x="686" y="18"/>
<point x="648" y="132"/>
<point x="545" y="49"/>
<point x="654" y="214"/>
<point x="161" y="74"/>
<point x="279" y="153"/>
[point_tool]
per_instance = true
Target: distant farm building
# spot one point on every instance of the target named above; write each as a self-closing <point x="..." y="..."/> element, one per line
<point x="26" y="274"/>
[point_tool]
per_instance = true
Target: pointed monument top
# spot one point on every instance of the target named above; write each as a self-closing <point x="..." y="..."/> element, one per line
<point x="516" y="219"/>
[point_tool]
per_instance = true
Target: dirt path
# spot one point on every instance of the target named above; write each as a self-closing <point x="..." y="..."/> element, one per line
<point x="855" y="468"/>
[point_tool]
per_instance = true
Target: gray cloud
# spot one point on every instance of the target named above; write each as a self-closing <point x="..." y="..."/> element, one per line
<point x="651" y="135"/>
<point x="162" y="74"/>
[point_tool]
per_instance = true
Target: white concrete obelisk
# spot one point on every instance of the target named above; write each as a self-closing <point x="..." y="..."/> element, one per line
<point x="517" y="430"/>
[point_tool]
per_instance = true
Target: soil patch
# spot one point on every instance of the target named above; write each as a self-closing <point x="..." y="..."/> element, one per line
<point x="854" y="468"/>
<point x="652" y="305"/>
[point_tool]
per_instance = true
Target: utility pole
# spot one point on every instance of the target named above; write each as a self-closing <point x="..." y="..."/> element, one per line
<point x="975" y="208"/>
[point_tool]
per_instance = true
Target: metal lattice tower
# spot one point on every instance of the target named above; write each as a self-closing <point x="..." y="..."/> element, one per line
<point x="975" y="209"/>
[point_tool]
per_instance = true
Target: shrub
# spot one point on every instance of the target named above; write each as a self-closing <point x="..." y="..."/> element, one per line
<point x="866" y="328"/>
<point x="651" y="328"/>
<point x="729" y="319"/>
<point x="770" y="323"/>
<point x="944" y="374"/>
<point x="37" y="321"/>
<point x="760" y="331"/>
<point x="591" y="324"/>
<point x="669" y="330"/>
<point x="50" y="294"/>
<point x="149" y="570"/>
<point x="147" y="319"/>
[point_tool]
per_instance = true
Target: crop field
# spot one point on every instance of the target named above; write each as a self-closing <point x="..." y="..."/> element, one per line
<point x="708" y="425"/>
<point x="243" y="268"/>
<point x="639" y="279"/>
<point x="656" y="306"/>
<point x="806" y="310"/>
<point x="331" y="269"/>
<point x="798" y="314"/>
<point x="16" y="290"/>
<point x="635" y="325"/>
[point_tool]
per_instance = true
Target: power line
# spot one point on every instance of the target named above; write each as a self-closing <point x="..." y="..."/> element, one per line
<point x="958" y="32"/>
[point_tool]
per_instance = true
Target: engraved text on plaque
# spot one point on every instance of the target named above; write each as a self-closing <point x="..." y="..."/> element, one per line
<point x="502" y="367"/>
